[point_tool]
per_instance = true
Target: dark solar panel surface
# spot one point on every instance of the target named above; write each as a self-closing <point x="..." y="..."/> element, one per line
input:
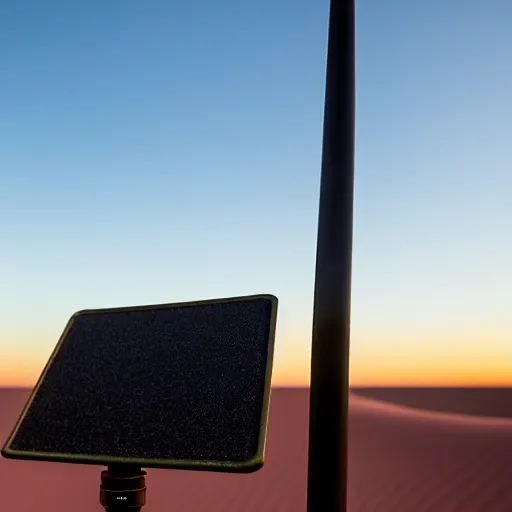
<point x="176" y="383"/>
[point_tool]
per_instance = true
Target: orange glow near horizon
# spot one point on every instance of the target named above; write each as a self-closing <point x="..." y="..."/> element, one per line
<point x="25" y="375"/>
<point x="384" y="359"/>
<point x="23" y="370"/>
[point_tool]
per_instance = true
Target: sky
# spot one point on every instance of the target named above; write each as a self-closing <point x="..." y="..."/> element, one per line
<point x="168" y="151"/>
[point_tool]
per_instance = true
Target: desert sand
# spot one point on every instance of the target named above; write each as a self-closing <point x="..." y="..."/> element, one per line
<point x="400" y="460"/>
<point x="483" y="401"/>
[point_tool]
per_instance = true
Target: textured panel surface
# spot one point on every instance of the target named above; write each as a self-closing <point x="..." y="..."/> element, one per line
<point x="175" y="382"/>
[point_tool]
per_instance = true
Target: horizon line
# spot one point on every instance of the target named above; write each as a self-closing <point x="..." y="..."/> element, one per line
<point x="358" y="386"/>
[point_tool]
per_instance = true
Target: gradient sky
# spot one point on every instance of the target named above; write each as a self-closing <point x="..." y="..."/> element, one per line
<point x="165" y="151"/>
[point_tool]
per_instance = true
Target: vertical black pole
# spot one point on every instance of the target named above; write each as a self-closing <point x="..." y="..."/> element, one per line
<point x="327" y="472"/>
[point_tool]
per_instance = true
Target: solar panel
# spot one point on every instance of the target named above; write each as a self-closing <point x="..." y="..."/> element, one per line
<point x="184" y="386"/>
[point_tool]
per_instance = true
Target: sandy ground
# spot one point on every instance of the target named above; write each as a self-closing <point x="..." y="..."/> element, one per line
<point x="400" y="460"/>
<point x="489" y="402"/>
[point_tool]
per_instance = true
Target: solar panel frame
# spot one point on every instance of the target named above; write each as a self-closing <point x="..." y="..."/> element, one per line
<point x="245" y="466"/>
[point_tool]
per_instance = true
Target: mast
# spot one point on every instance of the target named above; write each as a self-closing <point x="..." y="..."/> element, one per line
<point x="327" y="470"/>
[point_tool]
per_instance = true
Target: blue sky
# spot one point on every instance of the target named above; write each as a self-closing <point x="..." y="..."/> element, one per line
<point x="163" y="151"/>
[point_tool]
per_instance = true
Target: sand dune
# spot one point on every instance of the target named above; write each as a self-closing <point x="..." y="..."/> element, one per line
<point x="400" y="460"/>
<point x="489" y="402"/>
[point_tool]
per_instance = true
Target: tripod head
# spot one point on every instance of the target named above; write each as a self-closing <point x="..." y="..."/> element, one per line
<point x="123" y="488"/>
